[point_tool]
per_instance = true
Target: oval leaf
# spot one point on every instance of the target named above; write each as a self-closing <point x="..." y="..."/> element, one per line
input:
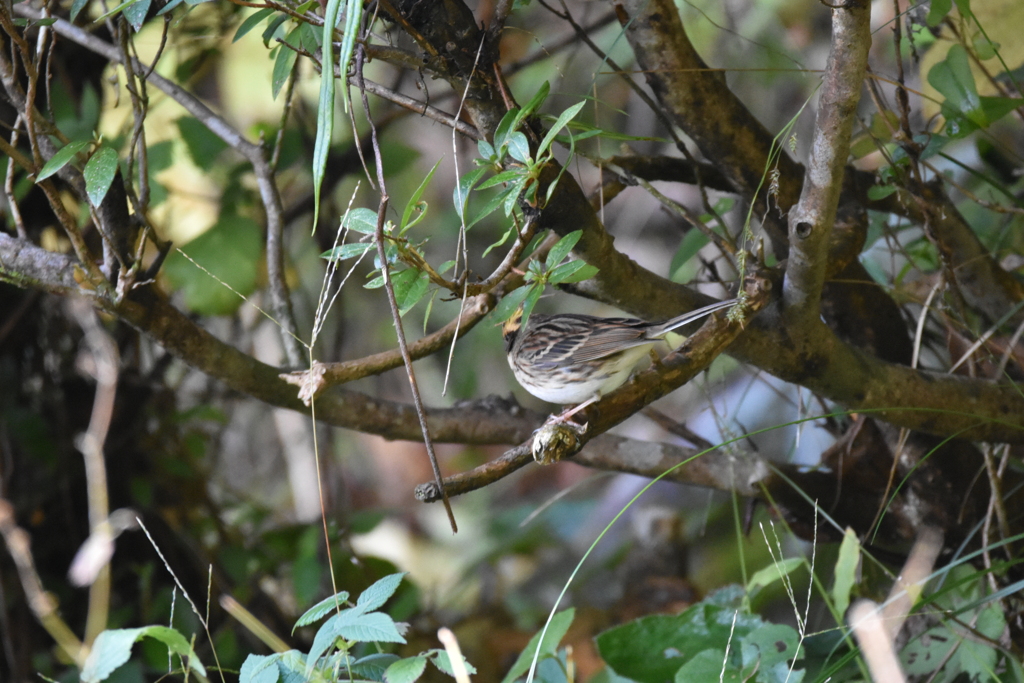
<point x="344" y="251"/>
<point x="99" y="173"/>
<point x="361" y="220"/>
<point x="406" y="670"/>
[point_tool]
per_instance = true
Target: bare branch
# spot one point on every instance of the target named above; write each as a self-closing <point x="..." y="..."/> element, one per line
<point x="811" y="220"/>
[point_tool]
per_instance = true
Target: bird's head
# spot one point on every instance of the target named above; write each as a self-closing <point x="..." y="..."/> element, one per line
<point x="510" y="328"/>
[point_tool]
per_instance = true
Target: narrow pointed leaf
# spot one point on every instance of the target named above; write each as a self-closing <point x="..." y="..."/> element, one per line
<point x="325" y="107"/>
<point x="566" y="116"/>
<point x="562" y="248"/>
<point x="415" y="198"/>
<point x="61" y="158"/>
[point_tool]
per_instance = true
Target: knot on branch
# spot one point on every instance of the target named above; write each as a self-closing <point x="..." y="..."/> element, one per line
<point x="557" y="441"/>
<point x="310" y="382"/>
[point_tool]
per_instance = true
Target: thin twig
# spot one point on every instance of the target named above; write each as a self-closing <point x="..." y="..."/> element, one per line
<point x="102" y="363"/>
<point x="42" y="604"/>
<point x="395" y="314"/>
<point x="255" y="153"/>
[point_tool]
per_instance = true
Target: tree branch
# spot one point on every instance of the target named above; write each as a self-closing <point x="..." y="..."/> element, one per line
<point x="689" y="91"/>
<point x="811" y="220"/>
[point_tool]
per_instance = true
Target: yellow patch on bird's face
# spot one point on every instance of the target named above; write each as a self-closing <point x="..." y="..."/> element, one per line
<point x="513" y="324"/>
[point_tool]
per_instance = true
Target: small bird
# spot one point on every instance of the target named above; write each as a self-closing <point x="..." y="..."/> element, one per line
<point x="576" y="359"/>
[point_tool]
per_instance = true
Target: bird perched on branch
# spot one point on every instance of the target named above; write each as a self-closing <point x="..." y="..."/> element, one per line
<point x="575" y="359"/>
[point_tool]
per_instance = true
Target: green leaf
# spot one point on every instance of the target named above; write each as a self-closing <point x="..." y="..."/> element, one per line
<point x="284" y="62"/>
<point x="346" y="251"/>
<point x="322" y="641"/>
<point x="409" y="295"/>
<point x="504" y="238"/>
<point x="360" y="220"/>
<point x="964" y="7"/>
<point x="203" y="145"/>
<point x="230" y="251"/>
<point x="259" y="669"/>
<point x="406" y="670"/>
<point x="176" y="643"/>
<point x="503" y="177"/>
<point x="325" y="104"/>
<point x="250" y="23"/>
<point x="136" y="13"/>
<point x="985" y="48"/>
<point x="381" y="590"/>
<point x="505" y="126"/>
<point x="772" y="573"/>
<point x="414" y="200"/>
<point x="562" y="248"/>
<point x="485" y="150"/>
<point x="112" y="648"/>
<point x="536" y="101"/>
<point x="353" y="13"/>
<point x="938" y="11"/>
<point x="490" y="207"/>
<point x="652" y="649"/>
<point x="353" y="625"/>
<point x="321" y="609"/>
<point x="692" y="242"/>
<point x="76" y="7"/>
<point x="61" y="158"/>
<point x="373" y="666"/>
<point x="514" y="191"/>
<point x="509" y="303"/>
<point x="573" y="271"/>
<point x="585" y="135"/>
<point x="846" y="571"/>
<point x="876" y="192"/>
<point x="585" y="272"/>
<point x="566" y="116"/>
<point x="99" y="172"/>
<point x="709" y="665"/>
<point x="292" y="665"/>
<point x="954" y="80"/>
<point x="552" y="635"/>
<point x="519" y="147"/>
<point x="460" y="195"/>
<point x="273" y="29"/>
<point x="768" y="645"/>
<point x="996" y="108"/>
<point x="375" y="627"/>
<point x="444" y="663"/>
<point x="115" y="11"/>
<point x="309" y="38"/>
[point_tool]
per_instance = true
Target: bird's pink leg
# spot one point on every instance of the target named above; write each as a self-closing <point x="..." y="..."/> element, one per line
<point x="569" y="412"/>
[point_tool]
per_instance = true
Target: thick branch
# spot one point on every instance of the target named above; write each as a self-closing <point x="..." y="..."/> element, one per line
<point x="25" y="265"/>
<point x="698" y="100"/>
<point x="811" y="221"/>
